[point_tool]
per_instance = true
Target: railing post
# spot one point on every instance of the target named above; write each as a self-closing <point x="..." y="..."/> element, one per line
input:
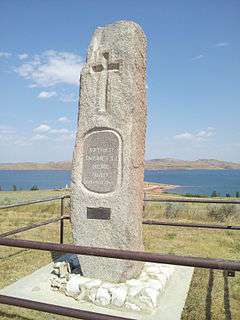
<point x="62" y="221"/>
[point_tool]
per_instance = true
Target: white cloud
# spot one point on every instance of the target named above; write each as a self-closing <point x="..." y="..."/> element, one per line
<point x="198" y="57"/>
<point x="5" y="54"/>
<point x="51" y="68"/>
<point x="42" y="128"/>
<point x="184" y="136"/>
<point x="202" y="135"/>
<point x="39" y="137"/>
<point x="9" y="136"/>
<point x="221" y="44"/>
<point x="47" y="94"/>
<point x="63" y="120"/>
<point x="62" y="134"/>
<point x="62" y="130"/>
<point x="44" y="131"/>
<point x="5" y="130"/>
<point x="23" y="56"/>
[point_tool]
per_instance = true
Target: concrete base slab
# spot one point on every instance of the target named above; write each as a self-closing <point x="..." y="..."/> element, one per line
<point x="36" y="286"/>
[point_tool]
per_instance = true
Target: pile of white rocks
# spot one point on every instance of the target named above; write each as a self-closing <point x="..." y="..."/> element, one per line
<point x="140" y="294"/>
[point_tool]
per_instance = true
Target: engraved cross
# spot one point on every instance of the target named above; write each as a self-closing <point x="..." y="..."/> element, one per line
<point x="105" y="67"/>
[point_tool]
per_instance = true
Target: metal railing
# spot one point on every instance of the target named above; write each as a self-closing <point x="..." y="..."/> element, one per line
<point x="39" y="224"/>
<point x="189" y="261"/>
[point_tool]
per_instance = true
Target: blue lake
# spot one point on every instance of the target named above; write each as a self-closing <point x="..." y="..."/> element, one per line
<point x="191" y="181"/>
<point x="25" y="179"/>
<point x="198" y="181"/>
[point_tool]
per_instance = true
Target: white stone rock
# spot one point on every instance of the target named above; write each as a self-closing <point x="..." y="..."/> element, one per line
<point x="103" y="297"/>
<point x="107" y="285"/>
<point x="135" y="294"/>
<point x="155" y="284"/>
<point x="61" y="269"/>
<point x="152" y="269"/>
<point x="135" y="290"/>
<point x="91" y="296"/>
<point x="92" y="283"/>
<point x="119" y="294"/>
<point x="149" y="264"/>
<point x="83" y="295"/>
<point x="168" y="271"/>
<point x="144" y="276"/>
<point x="132" y="306"/>
<point x="134" y="282"/>
<point x="135" y="286"/>
<point x="161" y="278"/>
<point x="148" y="298"/>
<point x="58" y="283"/>
<point x="153" y="294"/>
<point x="72" y="287"/>
<point x="83" y="280"/>
<point x="58" y="264"/>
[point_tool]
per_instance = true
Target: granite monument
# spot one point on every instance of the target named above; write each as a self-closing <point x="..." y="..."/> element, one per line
<point x="108" y="162"/>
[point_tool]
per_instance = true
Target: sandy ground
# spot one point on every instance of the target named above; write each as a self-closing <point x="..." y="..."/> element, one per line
<point x="158" y="187"/>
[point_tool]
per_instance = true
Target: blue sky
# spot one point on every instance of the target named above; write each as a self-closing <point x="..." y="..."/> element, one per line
<point x="193" y="75"/>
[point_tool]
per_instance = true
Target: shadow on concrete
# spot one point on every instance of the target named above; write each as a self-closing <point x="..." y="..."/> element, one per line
<point x="227" y="306"/>
<point x="208" y="300"/>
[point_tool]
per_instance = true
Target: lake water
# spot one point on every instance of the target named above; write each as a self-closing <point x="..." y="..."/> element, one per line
<point x="191" y="181"/>
<point x="198" y="181"/>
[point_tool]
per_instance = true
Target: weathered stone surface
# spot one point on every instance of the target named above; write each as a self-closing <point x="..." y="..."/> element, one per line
<point x="107" y="177"/>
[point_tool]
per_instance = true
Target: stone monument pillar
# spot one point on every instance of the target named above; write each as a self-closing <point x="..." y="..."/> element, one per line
<point x="108" y="162"/>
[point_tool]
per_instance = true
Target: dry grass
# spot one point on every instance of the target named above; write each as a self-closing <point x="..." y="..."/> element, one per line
<point x="17" y="262"/>
<point x="212" y="295"/>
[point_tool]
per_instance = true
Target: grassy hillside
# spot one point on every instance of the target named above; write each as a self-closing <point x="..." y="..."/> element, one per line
<point x="212" y="295"/>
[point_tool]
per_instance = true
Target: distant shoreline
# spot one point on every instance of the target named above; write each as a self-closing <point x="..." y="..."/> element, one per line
<point x="160" y="169"/>
<point x="157" y="169"/>
<point x="155" y="164"/>
<point x="158" y="187"/>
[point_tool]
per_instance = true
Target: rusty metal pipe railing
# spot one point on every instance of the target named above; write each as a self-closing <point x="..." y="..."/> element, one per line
<point x="32" y="226"/>
<point x="145" y="200"/>
<point x="188" y="261"/>
<point x="194" y="201"/>
<point x="190" y="225"/>
<point x="61" y="221"/>
<point x="55" y="309"/>
<point x="33" y="202"/>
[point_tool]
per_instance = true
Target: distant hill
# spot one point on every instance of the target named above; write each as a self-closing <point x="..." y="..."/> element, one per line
<point x="60" y="165"/>
<point x="154" y="164"/>
<point x="171" y="163"/>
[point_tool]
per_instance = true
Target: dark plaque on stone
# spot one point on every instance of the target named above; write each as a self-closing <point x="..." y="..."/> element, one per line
<point x="99" y="213"/>
<point x="100" y="161"/>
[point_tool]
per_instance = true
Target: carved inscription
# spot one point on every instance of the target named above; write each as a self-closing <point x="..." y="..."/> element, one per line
<point x="100" y="161"/>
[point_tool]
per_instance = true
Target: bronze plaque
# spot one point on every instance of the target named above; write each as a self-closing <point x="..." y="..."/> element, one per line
<point x="99" y="213"/>
<point x="100" y="161"/>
